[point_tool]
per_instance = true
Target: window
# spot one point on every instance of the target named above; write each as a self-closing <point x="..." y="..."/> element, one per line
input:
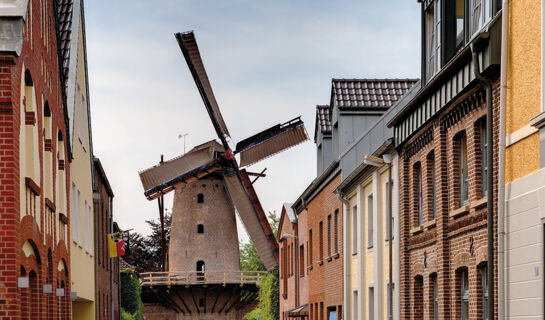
<point x="201" y="302"/>
<point x="74" y="210"/>
<point x="463" y="296"/>
<point x="200" y="198"/>
<point x="321" y="240"/>
<point x="336" y="238"/>
<point x="480" y="14"/>
<point x="433" y="43"/>
<point x="301" y="261"/>
<point x="371" y="303"/>
<point x="431" y="185"/>
<point x="418" y="193"/>
<point x="462" y="149"/>
<point x="354" y="230"/>
<point x="310" y="257"/>
<point x="460" y="22"/>
<point x="434" y="298"/>
<point x="418" y="296"/>
<point x="389" y="216"/>
<point x="484" y="158"/>
<point x="200" y="266"/>
<point x="355" y="304"/>
<point x="370" y="219"/>
<point x="484" y="291"/>
<point x="200" y="228"/>
<point x="329" y="242"/>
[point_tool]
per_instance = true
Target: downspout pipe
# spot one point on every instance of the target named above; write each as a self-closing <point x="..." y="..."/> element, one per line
<point x="501" y="161"/>
<point x="485" y="82"/>
<point x="346" y="257"/>
<point x="390" y="245"/>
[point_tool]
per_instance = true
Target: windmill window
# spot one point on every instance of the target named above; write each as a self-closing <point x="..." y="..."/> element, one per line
<point x="200" y="266"/>
<point x="200" y="198"/>
<point x="200" y="228"/>
<point x="201" y="302"/>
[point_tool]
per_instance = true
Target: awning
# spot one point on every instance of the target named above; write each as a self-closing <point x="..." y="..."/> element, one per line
<point x="301" y="311"/>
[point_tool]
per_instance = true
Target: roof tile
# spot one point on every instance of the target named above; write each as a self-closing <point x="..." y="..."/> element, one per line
<point x="368" y="93"/>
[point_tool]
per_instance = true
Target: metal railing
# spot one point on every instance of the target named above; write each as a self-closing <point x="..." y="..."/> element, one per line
<point x="195" y="277"/>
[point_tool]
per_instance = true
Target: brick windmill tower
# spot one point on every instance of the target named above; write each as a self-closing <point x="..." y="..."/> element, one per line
<point x="204" y="280"/>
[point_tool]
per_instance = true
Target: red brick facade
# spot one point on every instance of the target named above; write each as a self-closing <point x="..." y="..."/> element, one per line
<point x="34" y="216"/>
<point x="319" y="230"/>
<point x="326" y="270"/>
<point x="446" y="247"/>
<point x="106" y="268"/>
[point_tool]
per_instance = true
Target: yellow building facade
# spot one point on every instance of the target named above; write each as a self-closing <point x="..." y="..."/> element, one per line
<point x="367" y="233"/>
<point x="522" y="213"/>
<point x="81" y="188"/>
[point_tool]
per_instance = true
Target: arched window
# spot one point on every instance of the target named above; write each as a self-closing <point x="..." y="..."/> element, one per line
<point x="200" y="266"/>
<point x="60" y="188"/>
<point x="200" y="198"/>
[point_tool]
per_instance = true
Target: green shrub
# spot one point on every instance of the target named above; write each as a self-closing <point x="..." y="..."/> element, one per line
<point x="131" y="303"/>
<point x="125" y="315"/>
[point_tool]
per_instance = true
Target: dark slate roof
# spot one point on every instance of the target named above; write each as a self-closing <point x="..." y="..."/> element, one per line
<point x="64" y="20"/>
<point x="368" y="93"/>
<point x="323" y="118"/>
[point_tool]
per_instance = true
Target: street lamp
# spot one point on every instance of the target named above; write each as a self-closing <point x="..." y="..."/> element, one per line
<point x="378" y="162"/>
<point x="287" y="236"/>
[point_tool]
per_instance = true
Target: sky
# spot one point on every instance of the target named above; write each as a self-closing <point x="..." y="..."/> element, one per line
<point x="267" y="61"/>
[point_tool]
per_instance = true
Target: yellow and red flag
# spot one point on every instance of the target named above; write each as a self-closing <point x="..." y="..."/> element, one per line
<point x="116" y="244"/>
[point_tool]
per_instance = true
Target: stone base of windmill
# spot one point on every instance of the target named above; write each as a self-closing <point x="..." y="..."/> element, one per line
<point x="199" y="295"/>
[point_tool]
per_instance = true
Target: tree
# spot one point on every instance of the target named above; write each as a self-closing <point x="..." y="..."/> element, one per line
<point x="269" y="299"/>
<point x="144" y="253"/>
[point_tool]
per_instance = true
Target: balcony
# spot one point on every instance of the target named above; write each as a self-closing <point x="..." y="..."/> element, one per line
<point x="182" y="278"/>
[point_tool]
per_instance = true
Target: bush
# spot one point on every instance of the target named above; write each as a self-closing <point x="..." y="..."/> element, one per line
<point x="125" y="315"/>
<point x="131" y="304"/>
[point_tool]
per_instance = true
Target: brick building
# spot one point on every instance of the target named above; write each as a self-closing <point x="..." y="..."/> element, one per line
<point x="292" y="276"/>
<point x="34" y="169"/>
<point x="441" y="138"/>
<point x="106" y="268"/>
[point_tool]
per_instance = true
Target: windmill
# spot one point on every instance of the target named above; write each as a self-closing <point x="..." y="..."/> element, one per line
<point x="219" y="159"/>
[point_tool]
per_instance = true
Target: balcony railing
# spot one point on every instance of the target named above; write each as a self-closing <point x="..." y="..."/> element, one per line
<point x="176" y="278"/>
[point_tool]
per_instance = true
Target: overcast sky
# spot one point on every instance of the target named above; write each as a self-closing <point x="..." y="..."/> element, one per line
<point x="268" y="62"/>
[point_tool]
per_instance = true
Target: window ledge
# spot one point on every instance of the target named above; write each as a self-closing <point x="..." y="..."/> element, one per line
<point x="417" y="230"/>
<point x="538" y="121"/>
<point x="463" y="210"/>
<point x="478" y="203"/>
<point x="310" y="268"/>
<point x="429" y="224"/>
<point x="320" y="262"/>
<point x="336" y="255"/>
<point x="328" y="259"/>
<point x="354" y="254"/>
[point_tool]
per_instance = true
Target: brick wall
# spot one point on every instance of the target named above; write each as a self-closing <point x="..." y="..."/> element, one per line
<point x="325" y="282"/>
<point x="456" y="240"/>
<point x="25" y="249"/>
<point x="106" y="288"/>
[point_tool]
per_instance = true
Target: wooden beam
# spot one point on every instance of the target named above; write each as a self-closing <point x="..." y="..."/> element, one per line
<point x="216" y="300"/>
<point x="183" y="302"/>
<point x="194" y="302"/>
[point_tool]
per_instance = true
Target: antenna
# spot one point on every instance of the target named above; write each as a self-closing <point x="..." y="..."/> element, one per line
<point x="182" y="136"/>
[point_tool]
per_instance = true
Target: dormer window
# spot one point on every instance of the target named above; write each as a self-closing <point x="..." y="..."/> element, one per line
<point x="449" y="26"/>
<point x="433" y="41"/>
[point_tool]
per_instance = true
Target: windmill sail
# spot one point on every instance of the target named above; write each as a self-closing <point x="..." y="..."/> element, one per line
<point x="253" y="217"/>
<point x="163" y="177"/>
<point x="189" y="48"/>
<point x="271" y="141"/>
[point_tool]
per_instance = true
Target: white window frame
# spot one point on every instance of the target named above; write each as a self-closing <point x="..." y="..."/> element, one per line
<point x="370" y="221"/>
<point x="355" y="229"/>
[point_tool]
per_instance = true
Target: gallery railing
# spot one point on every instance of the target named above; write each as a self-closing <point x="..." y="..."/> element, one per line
<point x="206" y="277"/>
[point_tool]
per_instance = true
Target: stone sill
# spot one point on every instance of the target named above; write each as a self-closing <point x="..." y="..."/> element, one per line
<point x="336" y="255"/>
<point x="479" y="203"/>
<point x="417" y="230"/>
<point x="320" y="262"/>
<point x="463" y="210"/>
<point x="328" y="259"/>
<point x="310" y="268"/>
<point x="429" y="224"/>
<point x="538" y="121"/>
